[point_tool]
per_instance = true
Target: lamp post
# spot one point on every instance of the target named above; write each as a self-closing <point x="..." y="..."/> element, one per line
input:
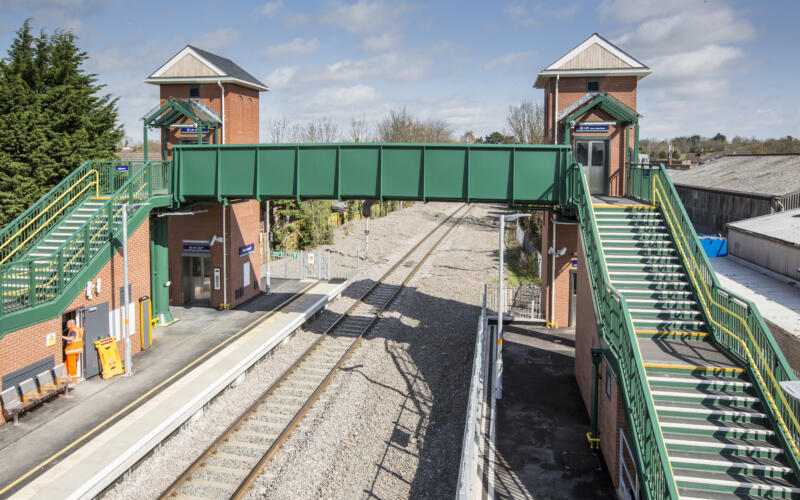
<point x="126" y="299"/>
<point x="498" y="372"/>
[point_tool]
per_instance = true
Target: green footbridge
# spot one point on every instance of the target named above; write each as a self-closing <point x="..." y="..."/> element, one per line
<point x="699" y="371"/>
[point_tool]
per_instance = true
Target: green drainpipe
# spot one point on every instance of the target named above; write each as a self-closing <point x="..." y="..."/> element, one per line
<point x="597" y="356"/>
<point x="159" y="271"/>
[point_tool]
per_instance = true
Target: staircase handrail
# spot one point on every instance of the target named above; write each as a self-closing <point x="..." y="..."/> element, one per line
<point x="79" y="179"/>
<point x="43" y="278"/>
<point x="737" y="325"/>
<point x="652" y="462"/>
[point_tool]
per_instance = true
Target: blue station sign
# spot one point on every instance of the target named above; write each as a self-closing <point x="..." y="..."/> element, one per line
<point x="192" y="130"/>
<point x="121" y="168"/>
<point x="196" y="248"/>
<point x="247" y="249"/>
<point x="590" y="127"/>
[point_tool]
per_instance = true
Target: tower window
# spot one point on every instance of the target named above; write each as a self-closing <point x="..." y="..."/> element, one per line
<point x="592" y="85"/>
<point x="194" y="90"/>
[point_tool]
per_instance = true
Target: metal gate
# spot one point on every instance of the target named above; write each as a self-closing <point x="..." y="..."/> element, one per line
<point x="522" y="301"/>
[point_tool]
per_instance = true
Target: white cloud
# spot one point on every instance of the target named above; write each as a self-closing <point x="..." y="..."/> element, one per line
<point x="350" y="98"/>
<point x="364" y="16"/>
<point x="392" y="66"/>
<point x="281" y="78"/>
<point x="693" y="64"/>
<point x="296" y="47"/>
<point x="381" y="43"/>
<point x="269" y="9"/>
<point x="566" y="12"/>
<point x="520" y="15"/>
<point x="217" y="39"/>
<point x="508" y="59"/>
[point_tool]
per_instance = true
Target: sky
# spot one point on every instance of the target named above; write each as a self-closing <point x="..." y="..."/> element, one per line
<point x="718" y="66"/>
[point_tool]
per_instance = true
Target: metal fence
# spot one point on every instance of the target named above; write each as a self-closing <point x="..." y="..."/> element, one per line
<point x="313" y="264"/>
<point x="522" y="301"/>
<point x="474" y="447"/>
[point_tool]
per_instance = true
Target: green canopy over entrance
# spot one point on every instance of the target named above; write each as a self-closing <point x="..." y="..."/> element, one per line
<point x="176" y="112"/>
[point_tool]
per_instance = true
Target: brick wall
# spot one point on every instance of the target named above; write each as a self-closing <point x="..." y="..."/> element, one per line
<point x="241" y="112"/>
<point x="28" y="345"/>
<point x="566" y="236"/>
<point x="610" y="413"/>
<point x="242" y="227"/>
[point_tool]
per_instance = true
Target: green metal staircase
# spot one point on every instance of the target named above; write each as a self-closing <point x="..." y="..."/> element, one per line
<point x="699" y="371"/>
<point x="51" y="250"/>
<point x="719" y="441"/>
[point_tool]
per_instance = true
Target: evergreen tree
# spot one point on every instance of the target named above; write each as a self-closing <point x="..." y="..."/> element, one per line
<point x="52" y="117"/>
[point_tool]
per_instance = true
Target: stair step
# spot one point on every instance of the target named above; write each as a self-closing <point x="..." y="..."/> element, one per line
<point x="699" y="411"/>
<point x="629" y="293"/>
<point x="732" y="400"/>
<point x="726" y="446"/>
<point x="774" y="487"/>
<point x="707" y="382"/>
<point x="725" y="463"/>
<point x="637" y="266"/>
<point x="691" y="426"/>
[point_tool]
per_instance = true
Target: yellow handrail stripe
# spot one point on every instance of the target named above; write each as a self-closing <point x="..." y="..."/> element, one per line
<point x="751" y="360"/>
<point x="96" y="184"/>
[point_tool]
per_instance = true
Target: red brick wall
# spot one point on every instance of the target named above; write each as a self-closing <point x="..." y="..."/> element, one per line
<point x="241" y="112"/>
<point x="566" y="236"/>
<point x="242" y="227"/>
<point x="28" y="345"/>
<point x="610" y="414"/>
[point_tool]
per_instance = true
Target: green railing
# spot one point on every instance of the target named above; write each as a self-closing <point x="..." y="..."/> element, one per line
<point x="735" y="322"/>
<point x="617" y="334"/>
<point x="33" y="281"/>
<point x="92" y="178"/>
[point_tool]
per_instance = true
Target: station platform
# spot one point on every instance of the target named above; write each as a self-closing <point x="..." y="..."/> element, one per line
<point x="541" y="421"/>
<point x="75" y="447"/>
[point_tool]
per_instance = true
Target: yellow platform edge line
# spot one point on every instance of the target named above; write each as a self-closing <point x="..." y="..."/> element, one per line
<point x="690" y="367"/>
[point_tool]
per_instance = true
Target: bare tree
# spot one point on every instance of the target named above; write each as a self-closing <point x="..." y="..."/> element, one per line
<point x="279" y="129"/>
<point x="468" y="137"/>
<point x="526" y="122"/>
<point x="402" y="126"/>
<point x="359" y="129"/>
<point x="321" y="130"/>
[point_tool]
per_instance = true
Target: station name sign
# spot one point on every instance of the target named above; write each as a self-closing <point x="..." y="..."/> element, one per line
<point x="247" y="249"/>
<point x="591" y="127"/>
<point x="192" y="130"/>
<point x="196" y="248"/>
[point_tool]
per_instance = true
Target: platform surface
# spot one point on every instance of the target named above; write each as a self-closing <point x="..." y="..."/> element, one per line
<point x="52" y="427"/>
<point x="542" y="422"/>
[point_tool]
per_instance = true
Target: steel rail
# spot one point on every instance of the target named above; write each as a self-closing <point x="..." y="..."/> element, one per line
<point x="278" y="441"/>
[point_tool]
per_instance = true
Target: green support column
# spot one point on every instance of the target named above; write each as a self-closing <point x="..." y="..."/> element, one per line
<point x="144" y="143"/>
<point x="594" y="433"/>
<point x="159" y="271"/>
<point x="636" y="143"/>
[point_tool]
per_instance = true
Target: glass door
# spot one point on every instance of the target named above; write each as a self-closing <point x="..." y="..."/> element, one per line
<point x="592" y="155"/>
<point x="196" y="279"/>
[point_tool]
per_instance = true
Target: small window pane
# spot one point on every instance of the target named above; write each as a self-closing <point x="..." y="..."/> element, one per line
<point x="194" y="90"/>
<point x="592" y="85"/>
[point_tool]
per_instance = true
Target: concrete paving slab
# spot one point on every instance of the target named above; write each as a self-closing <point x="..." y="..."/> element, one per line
<point x="95" y="405"/>
<point x="542" y="422"/>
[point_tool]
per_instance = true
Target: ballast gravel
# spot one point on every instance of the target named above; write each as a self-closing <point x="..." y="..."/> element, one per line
<point x="390" y="424"/>
<point x="390" y="237"/>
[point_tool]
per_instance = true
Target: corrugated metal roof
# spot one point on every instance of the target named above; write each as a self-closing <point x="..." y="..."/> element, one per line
<point x="773" y="175"/>
<point x="783" y="226"/>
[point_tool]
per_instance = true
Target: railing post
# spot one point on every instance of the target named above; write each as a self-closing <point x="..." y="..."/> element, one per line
<point x="110" y="216"/>
<point x="32" y="282"/>
<point x="148" y="178"/>
<point x="60" y="270"/>
<point x="86" y="245"/>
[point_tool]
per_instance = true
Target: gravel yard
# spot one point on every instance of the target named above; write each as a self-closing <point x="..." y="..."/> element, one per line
<point x="391" y="422"/>
<point x="390" y="238"/>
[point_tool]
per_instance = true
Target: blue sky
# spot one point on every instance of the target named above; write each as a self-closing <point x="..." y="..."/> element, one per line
<point x="718" y="66"/>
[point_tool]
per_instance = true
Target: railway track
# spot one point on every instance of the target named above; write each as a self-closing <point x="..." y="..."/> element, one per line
<point x="232" y="463"/>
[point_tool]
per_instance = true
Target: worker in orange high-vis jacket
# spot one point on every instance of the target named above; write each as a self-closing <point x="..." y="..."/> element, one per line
<point x="74" y="347"/>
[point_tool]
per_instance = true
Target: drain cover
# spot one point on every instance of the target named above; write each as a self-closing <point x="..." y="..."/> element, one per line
<point x="580" y="461"/>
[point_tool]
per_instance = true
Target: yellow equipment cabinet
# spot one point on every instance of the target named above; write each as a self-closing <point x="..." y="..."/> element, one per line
<point x="146" y="321"/>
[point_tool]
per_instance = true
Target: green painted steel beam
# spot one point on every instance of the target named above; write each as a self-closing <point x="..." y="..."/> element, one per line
<point x="427" y="172"/>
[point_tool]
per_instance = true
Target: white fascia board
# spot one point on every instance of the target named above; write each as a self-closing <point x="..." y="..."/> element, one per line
<point x="205" y="79"/>
<point x="552" y="73"/>
<point x="595" y="38"/>
<point x="186" y="50"/>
